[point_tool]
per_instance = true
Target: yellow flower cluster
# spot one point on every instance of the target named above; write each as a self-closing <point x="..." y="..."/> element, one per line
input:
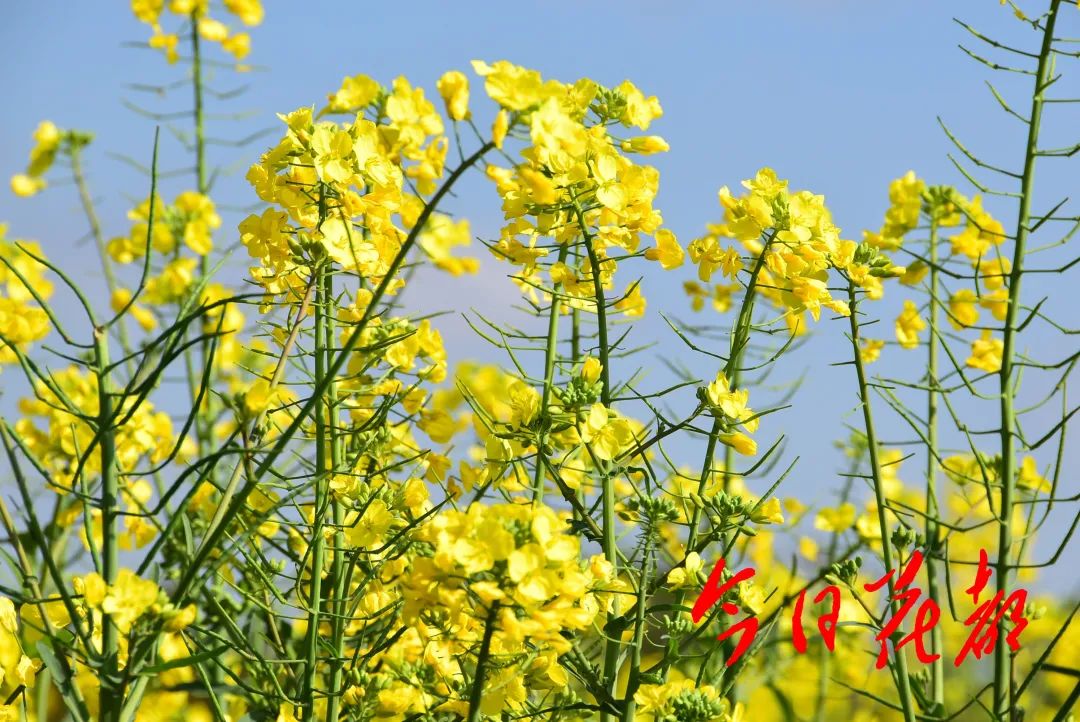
<point x="16" y="668"/>
<point x="730" y="406"/>
<point x="61" y="447"/>
<point x="237" y="44"/>
<point x="509" y="567"/>
<point x="913" y="202"/>
<point x="685" y="699"/>
<point x="795" y="233"/>
<point x="190" y="219"/>
<point x="22" y="321"/>
<point x="576" y="180"/>
<point x="340" y="188"/>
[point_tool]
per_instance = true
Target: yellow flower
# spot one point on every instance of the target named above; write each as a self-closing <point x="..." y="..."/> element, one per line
<point x="667" y="250"/>
<point x="355" y="93"/>
<point x="915" y="273"/>
<point x="835" y="520"/>
<point x="25" y="186"/>
<point x="870" y="349"/>
<point x="962" y="309"/>
<point x="739" y="441"/>
<point x="768" y="513"/>
<point x="524" y="403"/>
<point x="286" y="713"/>
<point x="514" y="87"/>
<point x="250" y="12"/>
<point x="437" y="424"/>
<point x="165" y="42"/>
<point x="633" y="302"/>
<point x="868" y="527"/>
<point x="121" y="297"/>
<point x="147" y="11"/>
<point x="591" y="369"/>
<point x="996" y="302"/>
<point x="687" y="574"/>
<point x="128" y="599"/>
<point x="986" y="353"/>
<point x="731" y="403"/>
<point x="453" y="86"/>
<point x="259" y="397"/>
<point x="213" y="30"/>
<point x="367" y="530"/>
<point x="708" y="255"/>
<point x="238" y="45"/>
<point x="639" y="111"/>
<point x="47" y="139"/>
<point x="1030" y="478"/>
<point x="646" y="145"/>
<point x="441" y="235"/>
<point x="982" y="232"/>
<point x="908" y="325"/>
<point x="608" y="433"/>
<point x="500" y="128"/>
<point x="182" y="618"/>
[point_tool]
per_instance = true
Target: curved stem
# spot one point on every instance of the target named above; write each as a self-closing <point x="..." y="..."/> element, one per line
<point x="1002" y="654"/>
<point x="739" y="336"/>
<point x="95" y="230"/>
<point x="900" y="661"/>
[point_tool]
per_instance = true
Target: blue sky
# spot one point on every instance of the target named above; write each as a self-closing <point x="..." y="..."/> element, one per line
<point x="840" y="96"/>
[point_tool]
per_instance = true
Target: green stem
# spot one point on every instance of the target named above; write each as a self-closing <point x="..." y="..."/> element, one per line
<point x="607" y="482"/>
<point x="900" y="662"/>
<point x="201" y="431"/>
<point x="739" y="336"/>
<point x="234" y="498"/>
<point x="1002" y="654"/>
<point x="476" y="694"/>
<point x="196" y="81"/>
<point x="550" y="353"/>
<point x="337" y="603"/>
<point x="95" y="230"/>
<point x="824" y="673"/>
<point x="322" y="484"/>
<point x="937" y="667"/>
<point x="111" y="694"/>
<point x="633" y="678"/>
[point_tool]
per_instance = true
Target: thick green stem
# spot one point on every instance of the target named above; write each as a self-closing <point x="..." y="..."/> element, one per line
<point x="202" y="432"/>
<point x="322" y="486"/>
<point x="900" y="658"/>
<point x="196" y="81"/>
<point x="634" y="677"/>
<point x="111" y="693"/>
<point x="476" y="694"/>
<point x="550" y="352"/>
<point x="937" y="667"/>
<point x="1002" y="654"/>
<point x="337" y="602"/>
<point x="607" y="482"/>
